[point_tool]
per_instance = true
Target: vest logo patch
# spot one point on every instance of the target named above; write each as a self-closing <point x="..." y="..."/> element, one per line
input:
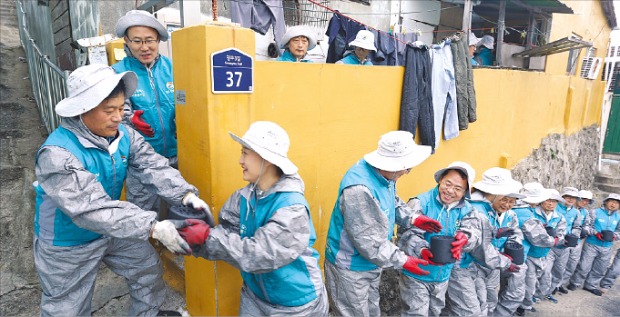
<point x="170" y="87"/>
<point x="242" y="230"/>
<point x="124" y="159"/>
<point x="138" y="93"/>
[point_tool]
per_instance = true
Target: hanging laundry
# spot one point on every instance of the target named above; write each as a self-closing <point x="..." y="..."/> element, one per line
<point x="340" y="31"/>
<point x="259" y="15"/>
<point x="416" y="108"/>
<point x="443" y="85"/>
<point x="465" y="92"/>
<point x="401" y="43"/>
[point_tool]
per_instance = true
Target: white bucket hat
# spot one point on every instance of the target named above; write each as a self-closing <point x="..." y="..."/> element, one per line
<point x="299" y="30"/>
<point x="140" y="18"/>
<point x="364" y="39"/>
<point x="486" y="41"/>
<point x="269" y="141"/>
<point x="534" y="193"/>
<point x="473" y="40"/>
<point x="570" y="191"/>
<point x="555" y="195"/>
<point x="89" y="85"/>
<point x="463" y="167"/>
<point x="397" y="152"/>
<point x="498" y="181"/>
<point x="612" y="196"/>
<point x="586" y="194"/>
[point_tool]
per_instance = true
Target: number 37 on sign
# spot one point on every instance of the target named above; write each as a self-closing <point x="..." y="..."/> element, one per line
<point x="232" y="72"/>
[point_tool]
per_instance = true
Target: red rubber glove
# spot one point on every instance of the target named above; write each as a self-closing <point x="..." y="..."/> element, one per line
<point x="412" y="266"/>
<point x="427" y="224"/>
<point x="555" y="241"/>
<point x="458" y="244"/>
<point x="140" y="125"/>
<point x="196" y="232"/>
<point x="427" y="256"/>
<point x="599" y="236"/>
<point x="506" y="255"/>
<point x="504" y="232"/>
<point x="513" y="268"/>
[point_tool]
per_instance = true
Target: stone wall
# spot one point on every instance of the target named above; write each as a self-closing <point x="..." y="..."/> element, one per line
<point x="562" y="161"/>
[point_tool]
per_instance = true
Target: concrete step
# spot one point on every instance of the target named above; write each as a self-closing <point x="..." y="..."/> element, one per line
<point x="610" y="167"/>
<point x="606" y="180"/>
<point x="608" y="188"/>
<point x="611" y="156"/>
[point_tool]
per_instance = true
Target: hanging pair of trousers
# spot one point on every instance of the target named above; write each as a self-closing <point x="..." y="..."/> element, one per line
<point x="465" y="92"/>
<point x="259" y="15"/>
<point x="416" y="106"/>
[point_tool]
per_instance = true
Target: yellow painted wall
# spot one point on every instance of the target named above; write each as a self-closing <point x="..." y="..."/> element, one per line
<point x="334" y="114"/>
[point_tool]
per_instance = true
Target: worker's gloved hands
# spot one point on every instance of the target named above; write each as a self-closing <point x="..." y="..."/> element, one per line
<point x="196" y="232"/>
<point x="513" y="268"/>
<point x="427" y="224"/>
<point x="506" y="255"/>
<point x="504" y="232"/>
<point x="412" y="266"/>
<point x="166" y="232"/>
<point x="599" y="236"/>
<point x="192" y="200"/>
<point x="138" y="122"/>
<point x="460" y="240"/>
<point x="555" y="241"/>
<point x="427" y="255"/>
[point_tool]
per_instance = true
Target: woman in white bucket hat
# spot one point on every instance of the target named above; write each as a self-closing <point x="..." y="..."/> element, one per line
<point x="425" y="295"/>
<point x="574" y="254"/>
<point x="267" y="233"/>
<point x="362" y="224"/>
<point x="539" y="260"/>
<point x="493" y="196"/>
<point x="80" y="220"/>
<point x="151" y="110"/>
<point x="360" y="47"/>
<point x="296" y="42"/>
<point x="597" y="249"/>
<point x="534" y="235"/>
<point x="561" y="254"/>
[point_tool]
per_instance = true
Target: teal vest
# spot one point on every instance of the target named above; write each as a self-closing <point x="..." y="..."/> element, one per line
<point x="351" y="59"/>
<point x="540" y="252"/>
<point x="604" y="221"/>
<point x="524" y="214"/>
<point x="570" y="216"/>
<point x="53" y="225"/>
<point x="450" y="223"/>
<point x="290" y="285"/>
<point x="155" y="96"/>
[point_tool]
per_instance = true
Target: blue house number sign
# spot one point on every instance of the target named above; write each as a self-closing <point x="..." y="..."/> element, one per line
<point x="232" y="72"/>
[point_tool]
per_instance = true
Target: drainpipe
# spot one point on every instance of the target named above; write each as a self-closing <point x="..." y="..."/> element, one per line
<point x="468" y="6"/>
<point x="501" y="27"/>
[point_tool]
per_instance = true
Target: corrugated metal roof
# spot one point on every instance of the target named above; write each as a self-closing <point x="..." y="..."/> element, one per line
<point x="551" y="6"/>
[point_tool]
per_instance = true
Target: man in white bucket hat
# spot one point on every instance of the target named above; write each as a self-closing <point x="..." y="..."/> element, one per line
<point x="574" y="254"/>
<point x="80" y="221"/>
<point x="561" y="253"/>
<point x="360" y="47"/>
<point x="539" y="261"/>
<point x="266" y="231"/>
<point x="596" y="252"/>
<point x="493" y="196"/>
<point x="424" y="295"/>
<point x="296" y="42"/>
<point x="151" y="109"/>
<point x="359" y="240"/>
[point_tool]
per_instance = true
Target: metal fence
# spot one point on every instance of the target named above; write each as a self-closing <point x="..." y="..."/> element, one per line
<point x="48" y="81"/>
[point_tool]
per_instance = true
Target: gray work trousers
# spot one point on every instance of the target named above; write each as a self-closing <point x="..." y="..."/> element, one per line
<point x="250" y="305"/>
<point x="353" y="293"/>
<point x="559" y="258"/>
<point x="612" y="272"/>
<point x="488" y="289"/>
<point x="537" y="279"/>
<point x="574" y="254"/>
<point x="419" y="298"/>
<point x="511" y="293"/>
<point x="592" y="266"/>
<point x="67" y="275"/>
<point x="463" y="298"/>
